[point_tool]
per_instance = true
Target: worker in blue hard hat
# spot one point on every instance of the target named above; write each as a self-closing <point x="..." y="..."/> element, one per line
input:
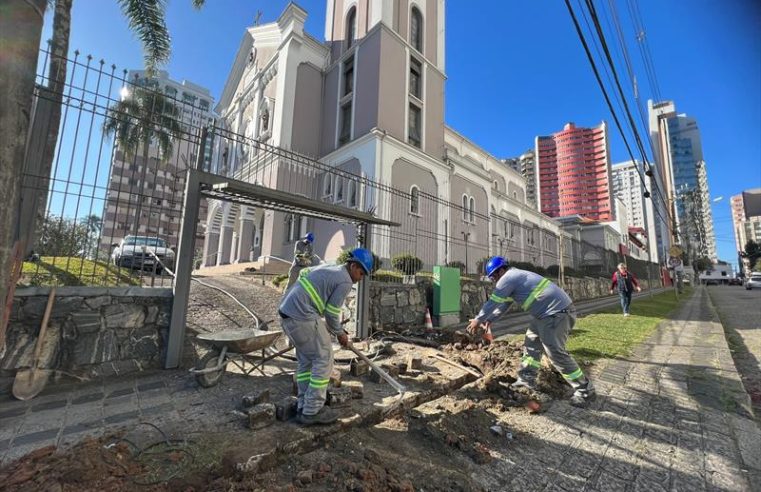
<point x="553" y="319"/>
<point x="320" y="292"/>
<point x="303" y="256"/>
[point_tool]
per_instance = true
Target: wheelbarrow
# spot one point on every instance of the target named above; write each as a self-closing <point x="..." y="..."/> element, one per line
<point x="236" y="347"/>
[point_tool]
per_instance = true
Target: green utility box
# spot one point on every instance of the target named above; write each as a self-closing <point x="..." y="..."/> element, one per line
<point x="446" y="295"/>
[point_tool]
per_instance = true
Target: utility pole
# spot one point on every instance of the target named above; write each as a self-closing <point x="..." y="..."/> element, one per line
<point x="466" y="235"/>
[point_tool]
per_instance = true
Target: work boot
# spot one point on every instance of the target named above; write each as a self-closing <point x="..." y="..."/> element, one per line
<point x="529" y="384"/>
<point x="583" y="395"/>
<point x="325" y="416"/>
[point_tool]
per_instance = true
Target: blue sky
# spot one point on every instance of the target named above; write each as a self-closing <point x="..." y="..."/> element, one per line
<point x="516" y="69"/>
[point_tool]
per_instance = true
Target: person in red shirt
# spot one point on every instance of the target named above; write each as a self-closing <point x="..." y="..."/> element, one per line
<point x="626" y="282"/>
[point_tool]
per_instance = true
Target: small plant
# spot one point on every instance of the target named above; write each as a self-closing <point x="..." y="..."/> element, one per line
<point x="481" y="266"/>
<point x="524" y="265"/>
<point x="407" y="264"/>
<point x="277" y="281"/>
<point x="457" y="264"/>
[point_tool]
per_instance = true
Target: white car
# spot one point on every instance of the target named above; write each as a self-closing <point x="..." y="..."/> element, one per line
<point x="135" y="252"/>
<point x="754" y="282"/>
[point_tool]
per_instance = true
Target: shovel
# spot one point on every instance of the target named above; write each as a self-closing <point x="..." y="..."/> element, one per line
<point x="29" y="382"/>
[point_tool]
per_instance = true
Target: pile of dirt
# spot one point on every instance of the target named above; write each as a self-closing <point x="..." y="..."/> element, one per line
<point x="86" y="467"/>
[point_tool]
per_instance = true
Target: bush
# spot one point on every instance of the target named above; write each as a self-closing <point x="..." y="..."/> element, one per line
<point x="457" y="264"/>
<point x="407" y="264"/>
<point x="481" y="265"/>
<point x="554" y="271"/>
<point x="377" y="262"/>
<point x="524" y="265"/>
<point x="277" y="281"/>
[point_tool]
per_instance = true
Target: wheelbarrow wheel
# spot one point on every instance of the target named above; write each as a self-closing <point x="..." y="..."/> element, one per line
<point x="209" y="379"/>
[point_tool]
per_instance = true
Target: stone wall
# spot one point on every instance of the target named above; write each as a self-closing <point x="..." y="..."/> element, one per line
<point x="92" y="331"/>
<point x="397" y="307"/>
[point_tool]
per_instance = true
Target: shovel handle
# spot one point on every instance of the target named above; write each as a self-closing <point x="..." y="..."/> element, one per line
<point x="396" y="385"/>
<point x="43" y="327"/>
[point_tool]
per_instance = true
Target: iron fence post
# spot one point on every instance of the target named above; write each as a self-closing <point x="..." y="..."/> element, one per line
<point x="363" y="289"/>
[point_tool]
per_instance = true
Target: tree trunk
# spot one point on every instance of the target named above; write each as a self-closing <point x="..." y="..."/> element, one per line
<point x="20" y="32"/>
<point x="47" y="123"/>
<point x="141" y="187"/>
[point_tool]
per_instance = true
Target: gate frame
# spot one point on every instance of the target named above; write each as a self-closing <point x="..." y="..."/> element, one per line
<point x="200" y="184"/>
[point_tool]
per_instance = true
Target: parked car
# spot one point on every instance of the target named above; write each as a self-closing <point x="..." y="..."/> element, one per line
<point x="734" y="281"/>
<point x="135" y="252"/>
<point x="754" y="281"/>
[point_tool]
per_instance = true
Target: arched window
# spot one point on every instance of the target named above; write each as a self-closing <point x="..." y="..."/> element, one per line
<point x="416" y="29"/>
<point x="327" y="186"/>
<point x="414" y="200"/>
<point x="465" y="207"/>
<point x="472" y="210"/>
<point x="351" y="26"/>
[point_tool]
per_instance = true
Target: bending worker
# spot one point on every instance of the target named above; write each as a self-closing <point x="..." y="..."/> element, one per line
<point x="303" y="256"/>
<point x="319" y="292"/>
<point x="553" y="319"/>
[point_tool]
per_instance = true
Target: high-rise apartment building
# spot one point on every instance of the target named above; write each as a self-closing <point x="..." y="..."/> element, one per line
<point x="154" y="189"/>
<point x="746" y="217"/>
<point x="573" y="173"/>
<point x="525" y="164"/>
<point x="628" y="187"/>
<point x="680" y="173"/>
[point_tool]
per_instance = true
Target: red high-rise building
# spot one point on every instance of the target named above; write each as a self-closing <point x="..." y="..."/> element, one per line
<point x="573" y="173"/>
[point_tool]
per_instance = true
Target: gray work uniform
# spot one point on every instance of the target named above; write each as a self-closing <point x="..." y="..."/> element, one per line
<point x="553" y="319"/>
<point x="303" y="256"/>
<point x="319" y="292"/>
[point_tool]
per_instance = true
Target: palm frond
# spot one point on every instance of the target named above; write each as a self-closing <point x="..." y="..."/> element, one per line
<point x="198" y="3"/>
<point x="147" y="20"/>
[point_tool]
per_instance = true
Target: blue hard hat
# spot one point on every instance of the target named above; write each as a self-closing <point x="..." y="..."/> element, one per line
<point x="309" y="237"/>
<point x="495" y="263"/>
<point x="364" y="257"/>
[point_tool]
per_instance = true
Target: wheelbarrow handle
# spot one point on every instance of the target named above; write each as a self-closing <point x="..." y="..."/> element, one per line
<point x="396" y="385"/>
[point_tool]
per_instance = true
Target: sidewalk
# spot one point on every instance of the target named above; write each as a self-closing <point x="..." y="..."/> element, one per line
<point x="673" y="416"/>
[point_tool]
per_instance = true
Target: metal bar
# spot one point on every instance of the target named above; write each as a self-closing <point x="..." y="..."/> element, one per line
<point x="363" y="290"/>
<point x="375" y="367"/>
<point x="184" y="266"/>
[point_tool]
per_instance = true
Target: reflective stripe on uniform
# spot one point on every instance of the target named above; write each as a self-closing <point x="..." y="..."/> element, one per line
<point x="309" y="288"/>
<point x="496" y="298"/>
<point x="574" y="375"/>
<point x="535" y="293"/>
<point x="336" y="311"/>
<point x="303" y="376"/>
<point x="529" y="361"/>
<point x="318" y="383"/>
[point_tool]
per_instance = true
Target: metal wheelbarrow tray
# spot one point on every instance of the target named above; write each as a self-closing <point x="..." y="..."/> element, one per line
<point x="236" y="347"/>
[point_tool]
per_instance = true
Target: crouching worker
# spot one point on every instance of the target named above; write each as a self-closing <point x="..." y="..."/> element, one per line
<point x="553" y="319"/>
<point x="319" y="291"/>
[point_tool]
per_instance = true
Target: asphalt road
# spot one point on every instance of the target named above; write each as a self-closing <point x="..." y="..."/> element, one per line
<point x="740" y="313"/>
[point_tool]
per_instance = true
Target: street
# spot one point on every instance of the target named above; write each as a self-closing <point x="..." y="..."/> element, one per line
<point x="740" y="313"/>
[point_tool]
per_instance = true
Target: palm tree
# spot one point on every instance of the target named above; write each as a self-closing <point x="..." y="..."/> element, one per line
<point x="21" y="28"/>
<point x="142" y="118"/>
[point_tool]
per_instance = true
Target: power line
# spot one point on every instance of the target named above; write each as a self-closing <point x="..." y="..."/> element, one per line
<point x="607" y="100"/>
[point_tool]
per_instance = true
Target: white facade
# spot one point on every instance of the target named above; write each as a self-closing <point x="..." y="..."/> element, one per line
<point x="628" y="187"/>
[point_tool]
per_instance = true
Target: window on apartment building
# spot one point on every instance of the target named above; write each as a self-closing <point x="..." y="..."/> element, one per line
<point x="348" y="77"/>
<point x="415" y="200"/>
<point x="472" y="209"/>
<point x="414" y="133"/>
<point x="416" y="29"/>
<point x="204" y="105"/>
<point x="351" y="27"/>
<point x="265" y="120"/>
<point x="465" y="208"/>
<point x="416" y="79"/>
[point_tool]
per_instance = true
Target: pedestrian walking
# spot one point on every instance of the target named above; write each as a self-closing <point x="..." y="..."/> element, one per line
<point x="626" y="282"/>
<point x="303" y="256"/>
<point x="320" y="292"/>
<point x="553" y="316"/>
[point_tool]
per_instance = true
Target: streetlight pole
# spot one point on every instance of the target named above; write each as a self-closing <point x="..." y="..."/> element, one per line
<point x="466" y="235"/>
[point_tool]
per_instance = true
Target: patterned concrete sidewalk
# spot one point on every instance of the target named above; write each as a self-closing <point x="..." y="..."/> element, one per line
<point x="671" y="417"/>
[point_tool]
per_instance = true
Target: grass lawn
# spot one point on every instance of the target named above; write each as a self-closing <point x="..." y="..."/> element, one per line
<point x="74" y="271"/>
<point x="608" y="333"/>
